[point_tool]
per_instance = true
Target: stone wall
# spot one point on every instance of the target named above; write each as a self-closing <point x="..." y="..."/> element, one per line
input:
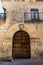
<point x="15" y="17"/>
<point x="15" y="11"/>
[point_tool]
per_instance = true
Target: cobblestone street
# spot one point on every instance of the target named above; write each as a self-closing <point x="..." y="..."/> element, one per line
<point x="23" y="62"/>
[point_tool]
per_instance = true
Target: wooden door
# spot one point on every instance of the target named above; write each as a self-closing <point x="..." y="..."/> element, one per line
<point x="21" y="45"/>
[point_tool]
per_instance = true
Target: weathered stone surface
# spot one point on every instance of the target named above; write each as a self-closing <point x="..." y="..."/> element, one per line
<point x="15" y="17"/>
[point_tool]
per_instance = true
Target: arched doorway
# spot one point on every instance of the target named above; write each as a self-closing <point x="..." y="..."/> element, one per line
<point x="21" y="45"/>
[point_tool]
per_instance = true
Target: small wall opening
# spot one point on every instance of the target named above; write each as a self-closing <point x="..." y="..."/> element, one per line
<point x="21" y="45"/>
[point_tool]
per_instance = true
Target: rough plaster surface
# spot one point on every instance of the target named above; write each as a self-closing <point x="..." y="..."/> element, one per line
<point x="15" y="16"/>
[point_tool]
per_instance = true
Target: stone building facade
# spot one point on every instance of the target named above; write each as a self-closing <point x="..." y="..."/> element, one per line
<point x="23" y="0"/>
<point x="16" y="21"/>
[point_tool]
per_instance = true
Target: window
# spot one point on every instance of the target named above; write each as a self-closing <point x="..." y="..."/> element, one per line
<point x="34" y="14"/>
<point x="3" y="14"/>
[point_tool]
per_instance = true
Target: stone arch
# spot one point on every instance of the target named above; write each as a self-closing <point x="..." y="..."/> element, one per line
<point x="21" y="45"/>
